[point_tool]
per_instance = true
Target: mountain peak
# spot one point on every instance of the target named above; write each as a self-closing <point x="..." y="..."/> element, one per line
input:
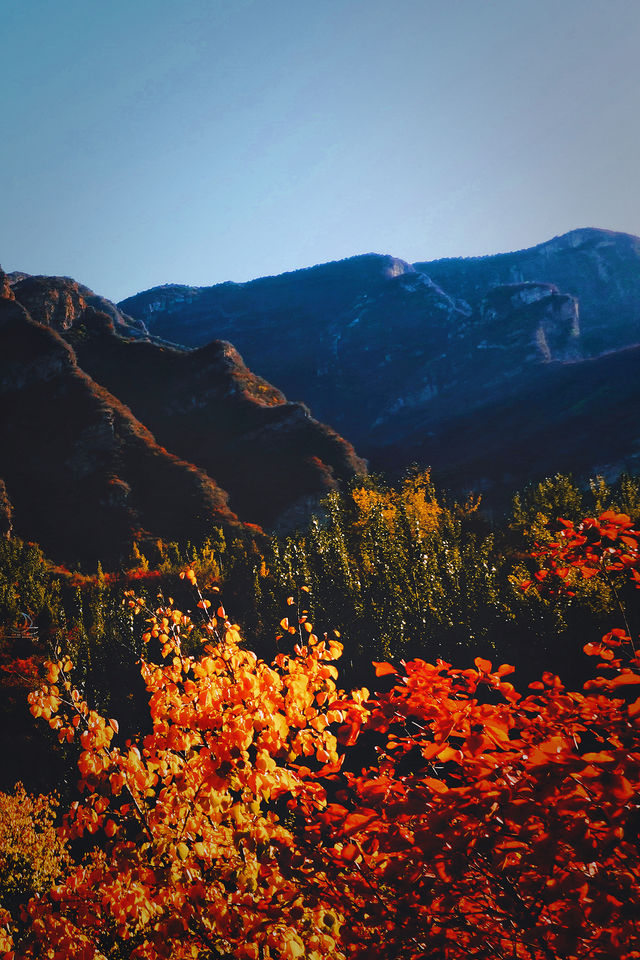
<point x="590" y="237"/>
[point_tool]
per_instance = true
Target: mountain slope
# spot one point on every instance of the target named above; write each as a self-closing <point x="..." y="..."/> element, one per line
<point x="579" y="418"/>
<point x="397" y="356"/>
<point x="324" y="332"/>
<point x="271" y="456"/>
<point x="83" y="475"/>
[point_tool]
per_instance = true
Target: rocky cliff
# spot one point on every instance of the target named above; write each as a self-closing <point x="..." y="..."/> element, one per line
<point x="600" y="268"/>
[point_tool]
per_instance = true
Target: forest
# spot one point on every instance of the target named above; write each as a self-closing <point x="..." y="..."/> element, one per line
<point x="410" y="730"/>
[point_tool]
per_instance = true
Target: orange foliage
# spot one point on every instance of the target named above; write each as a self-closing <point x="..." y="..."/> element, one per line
<point x="188" y="861"/>
<point x="491" y="824"/>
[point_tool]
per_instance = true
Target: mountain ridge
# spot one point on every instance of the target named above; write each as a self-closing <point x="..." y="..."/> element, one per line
<point x="365" y="340"/>
<point x="413" y="266"/>
<point x="85" y="476"/>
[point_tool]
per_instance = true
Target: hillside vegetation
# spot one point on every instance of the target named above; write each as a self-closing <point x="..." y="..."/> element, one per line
<point x="243" y="804"/>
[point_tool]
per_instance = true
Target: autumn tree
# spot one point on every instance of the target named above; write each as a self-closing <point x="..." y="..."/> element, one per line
<point x="494" y="824"/>
<point x="485" y="822"/>
<point x="183" y="827"/>
<point x="33" y="853"/>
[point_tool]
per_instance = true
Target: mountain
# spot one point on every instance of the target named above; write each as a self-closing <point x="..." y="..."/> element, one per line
<point x="579" y="418"/>
<point x="453" y="362"/>
<point x="108" y="436"/>
<point x="324" y="331"/>
<point x="598" y="267"/>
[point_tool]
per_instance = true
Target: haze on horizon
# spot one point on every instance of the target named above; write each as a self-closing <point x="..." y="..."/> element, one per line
<point x="197" y="141"/>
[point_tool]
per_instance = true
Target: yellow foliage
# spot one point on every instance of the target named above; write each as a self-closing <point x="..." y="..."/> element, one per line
<point x="415" y="500"/>
<point x="370" y="502"/>
<point x="421" y="506"/>
<point x="32" y="854"/>
<point x="229" y="735"/>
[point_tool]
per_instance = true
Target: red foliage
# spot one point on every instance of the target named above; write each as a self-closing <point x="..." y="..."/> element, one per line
<point x="491" y="824"/>
<point x="593" y="547"/>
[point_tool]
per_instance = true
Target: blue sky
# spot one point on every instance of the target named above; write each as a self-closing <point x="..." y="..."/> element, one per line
<point x="196" y="141"/>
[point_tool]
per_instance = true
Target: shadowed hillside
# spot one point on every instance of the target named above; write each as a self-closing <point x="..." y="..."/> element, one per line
<point x="83" y="473"/>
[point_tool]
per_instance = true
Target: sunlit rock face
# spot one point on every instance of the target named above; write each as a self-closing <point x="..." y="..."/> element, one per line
<point x="6" y="292"/>
<point x="107" y="436"/>
<point x="61" y="303"/>
<point x="395" y="356"/>
<point x="534" y="318"/>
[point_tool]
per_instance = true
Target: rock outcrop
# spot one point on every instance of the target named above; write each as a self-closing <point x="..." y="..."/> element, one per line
<point x="60" y="302"/>
<point x="546" y="320"/>
<point x="600" y="268"/>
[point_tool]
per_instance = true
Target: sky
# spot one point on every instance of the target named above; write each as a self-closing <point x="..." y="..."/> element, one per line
<point x="197" y="141"/>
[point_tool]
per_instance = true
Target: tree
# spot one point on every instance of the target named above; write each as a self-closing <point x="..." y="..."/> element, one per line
<point x="486" y="823"/>
<point x="492" y="824"/>
<point x="33" y="854"/>
<point x="188" y="843"/>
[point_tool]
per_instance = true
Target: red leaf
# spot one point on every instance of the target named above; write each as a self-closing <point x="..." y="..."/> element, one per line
<point x="484" y="666"/>
<point x="349" y="852"/>
<point x="356" y="821"/>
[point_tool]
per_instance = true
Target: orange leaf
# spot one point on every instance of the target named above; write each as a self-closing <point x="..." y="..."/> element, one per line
<point x="634" y="708"/>
<point x="349" y="852"/>
<point x="626" y="677"/>
<point x="356" y="821"/>
<point x="630" y="542"/>
<point x="437" y="785"/>
<point x="621" y="789"/>
<point x="382" y="669"/>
